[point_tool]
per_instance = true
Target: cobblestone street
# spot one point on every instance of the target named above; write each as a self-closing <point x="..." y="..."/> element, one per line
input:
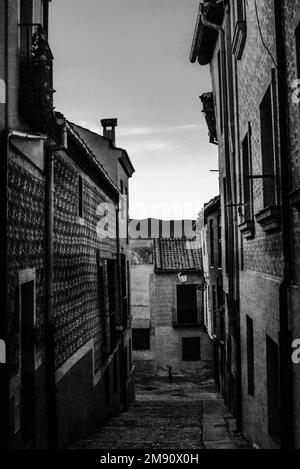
<point x="167" y="416"/>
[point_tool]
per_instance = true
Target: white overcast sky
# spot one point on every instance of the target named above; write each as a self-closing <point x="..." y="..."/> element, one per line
<point x="130" y="59"/>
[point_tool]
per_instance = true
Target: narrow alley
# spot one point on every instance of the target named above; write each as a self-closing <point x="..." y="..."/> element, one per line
<point x="181" y="414"/>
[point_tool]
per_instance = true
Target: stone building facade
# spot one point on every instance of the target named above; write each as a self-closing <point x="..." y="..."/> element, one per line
<point x="253" y="52"/>
<point x="180" y="339"/>
<point x="213" y="295"/>
<point x="65" y="290"/>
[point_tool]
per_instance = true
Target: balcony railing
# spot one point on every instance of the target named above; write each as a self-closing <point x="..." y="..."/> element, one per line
<point x="36" y="78"/>
<point x="188" y="318"/>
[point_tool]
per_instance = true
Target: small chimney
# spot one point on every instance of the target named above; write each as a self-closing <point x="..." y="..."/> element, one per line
<point x="109" y="126"/>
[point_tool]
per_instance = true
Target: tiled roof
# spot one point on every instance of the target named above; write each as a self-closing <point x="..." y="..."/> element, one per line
<point x="176" y="254"/>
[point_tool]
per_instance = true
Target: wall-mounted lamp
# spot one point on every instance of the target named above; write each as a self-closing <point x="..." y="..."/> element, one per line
<point x="183" y="278"/>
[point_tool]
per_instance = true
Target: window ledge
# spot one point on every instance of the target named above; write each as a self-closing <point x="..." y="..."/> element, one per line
<point x="269" y="218"/>
<point x="187" y="325"/>
<point x="247" y="229"/>
<point x="239" y="39"/>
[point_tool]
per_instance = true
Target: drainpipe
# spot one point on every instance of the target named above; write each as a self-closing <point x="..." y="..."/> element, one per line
<point x="226" y="125"/>
<point x="285" y="335"/>
<point x="50" y="345"/>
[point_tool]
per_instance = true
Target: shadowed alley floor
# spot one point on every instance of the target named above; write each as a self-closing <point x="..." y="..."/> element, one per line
<point x="179" y="415"/>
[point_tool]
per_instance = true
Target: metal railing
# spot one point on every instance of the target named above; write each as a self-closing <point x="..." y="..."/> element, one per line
<point x="36" y="75"/>
<point x="187" y="318"/>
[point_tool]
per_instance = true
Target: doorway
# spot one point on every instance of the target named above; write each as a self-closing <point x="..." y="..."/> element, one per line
<point x="27" y="364"/>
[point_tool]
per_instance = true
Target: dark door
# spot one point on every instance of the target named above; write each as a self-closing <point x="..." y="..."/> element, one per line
<point x="27" y="365"/>
<point x="186" y="304"/>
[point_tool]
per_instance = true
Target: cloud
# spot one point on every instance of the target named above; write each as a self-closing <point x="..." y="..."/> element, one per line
<point x="141" y="131"/>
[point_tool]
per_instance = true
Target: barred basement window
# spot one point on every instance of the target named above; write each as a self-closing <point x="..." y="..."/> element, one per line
<point x="250" y="356"/>
<point x="191" y="349"/>
<point x="140" y="339"/>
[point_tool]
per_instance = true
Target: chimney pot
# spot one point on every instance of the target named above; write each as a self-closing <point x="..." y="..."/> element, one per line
<point x="109" y="126"/>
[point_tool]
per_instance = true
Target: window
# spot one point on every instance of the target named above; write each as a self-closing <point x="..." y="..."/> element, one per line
<point x="211" y="241"/>
<point x="219" y="242"/>
<point x="140" y="339"/>
<point x="273" y="384"/>
<point x="267" y="121"/>
<point x="124" y="293"/>
<point x="102" y="307"/>
<point x="239" y="10"/>
<point x="226" y="225"/>
<point x="191" y="349"/>
<point x="247" y="181"/>
<point x="27" y="313"/>
<point x="187" y="312"/>
<point x="220" y="92"/>
<point x="111" y="278"/>
<point x="250" y="355"/>
<point x="80" y="197"/>
<point x="111" y="291"/>
<point x="121" y="187"/>
<point x="214" y="309"/>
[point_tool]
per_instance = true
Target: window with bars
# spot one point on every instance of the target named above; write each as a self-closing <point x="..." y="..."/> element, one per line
<point x="191" y="349"/>
<point x="268" y="146"/>
<point x="140" y="339"/>
<point x="247" y="172"/>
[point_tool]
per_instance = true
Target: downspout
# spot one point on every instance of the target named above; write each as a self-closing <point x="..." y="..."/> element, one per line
<point x="50" y="332"/>
<point x="285" y="335"/>
<point x="222" y="36"/>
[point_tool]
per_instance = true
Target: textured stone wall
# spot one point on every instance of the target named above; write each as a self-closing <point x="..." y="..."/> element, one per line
<point x="25" y="233"/>
<point x="76" y="307"/>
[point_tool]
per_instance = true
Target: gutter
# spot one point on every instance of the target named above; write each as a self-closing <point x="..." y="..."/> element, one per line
<point x="285" y="334"/>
